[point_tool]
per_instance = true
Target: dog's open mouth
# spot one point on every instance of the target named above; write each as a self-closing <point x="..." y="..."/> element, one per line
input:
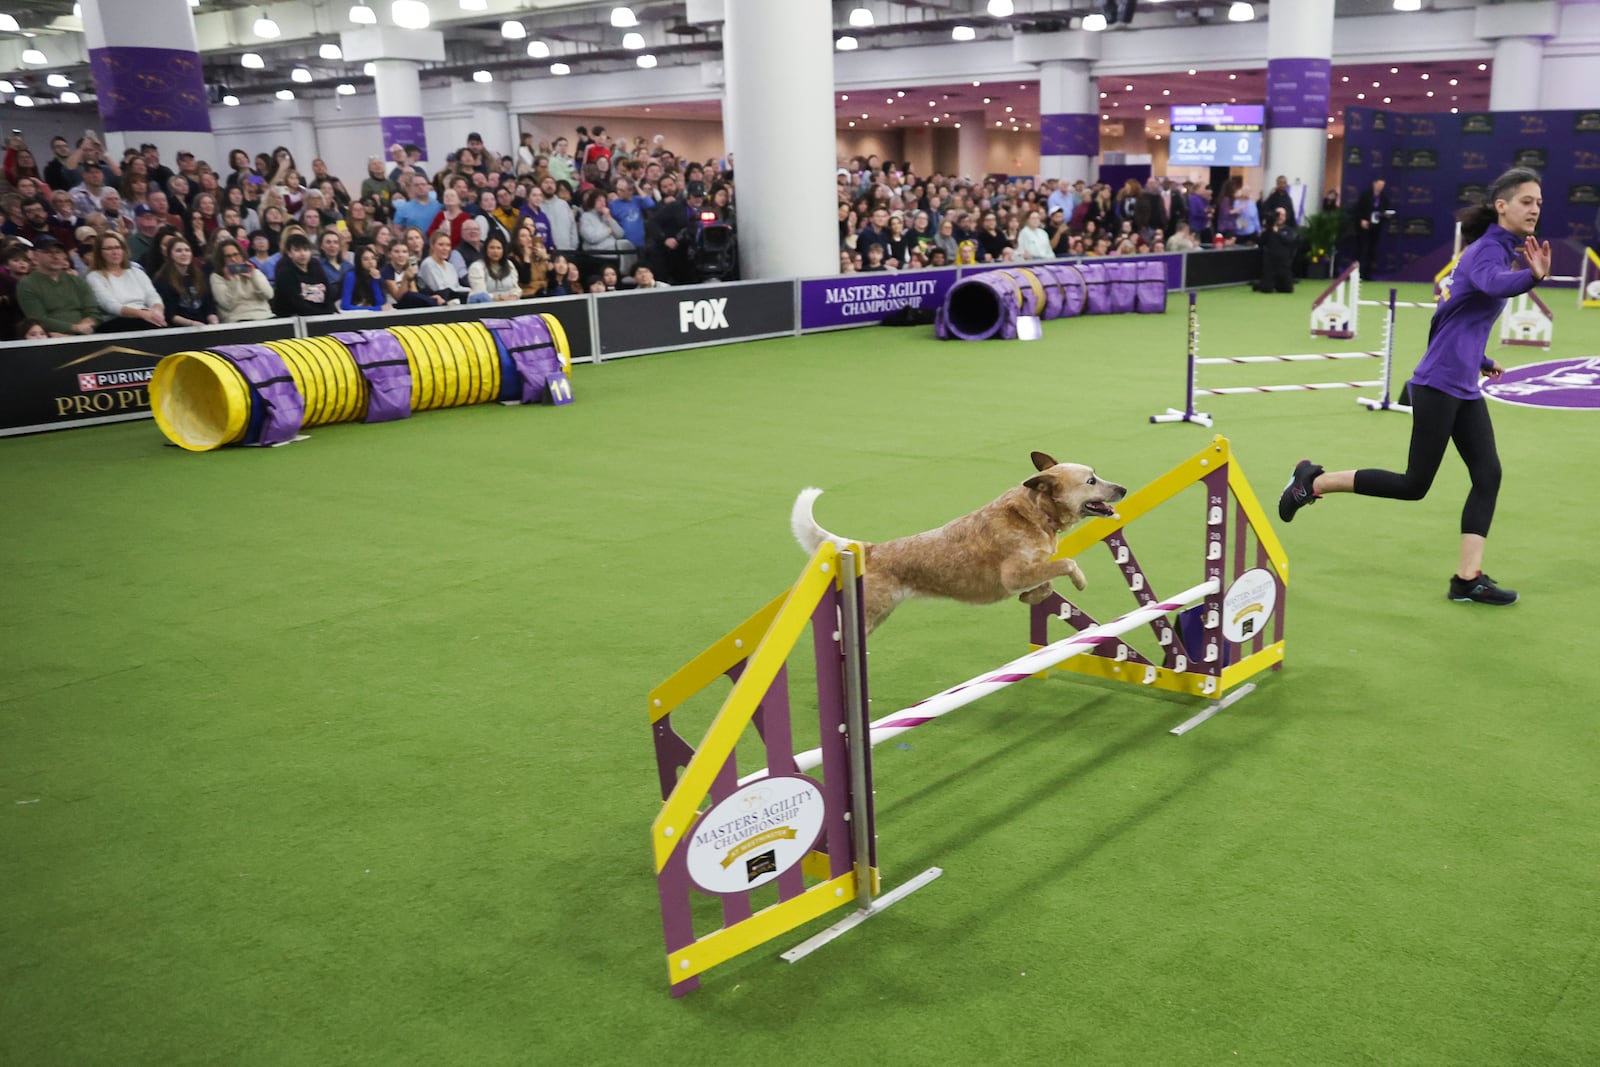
<point x="1100" y="508"/>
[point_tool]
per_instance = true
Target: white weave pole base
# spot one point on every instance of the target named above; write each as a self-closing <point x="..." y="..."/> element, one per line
<point x="1200" y="418"/>
<point x="1242" y="691"/>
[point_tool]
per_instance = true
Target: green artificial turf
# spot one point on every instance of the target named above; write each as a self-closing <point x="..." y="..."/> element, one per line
<point x="338" y="753"/>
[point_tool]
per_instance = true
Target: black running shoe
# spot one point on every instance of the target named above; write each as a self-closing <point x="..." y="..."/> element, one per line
<point x="1298" y="493"/>
<point x="1480" y="590"/>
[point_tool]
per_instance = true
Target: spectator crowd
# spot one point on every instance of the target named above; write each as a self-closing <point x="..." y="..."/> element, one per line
<point x="94" y="244"/>
<point x="892" y="219"/>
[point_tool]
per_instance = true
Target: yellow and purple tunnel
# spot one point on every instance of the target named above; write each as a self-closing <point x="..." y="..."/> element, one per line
<point x="265" y="394"/>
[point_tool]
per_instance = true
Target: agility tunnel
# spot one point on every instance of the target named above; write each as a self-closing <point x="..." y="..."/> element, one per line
<point x="265" y="394"/>
<point x="989" y="304"/>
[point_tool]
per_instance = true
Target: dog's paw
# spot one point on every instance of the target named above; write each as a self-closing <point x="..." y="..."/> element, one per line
<point x="1078" y="580"/>
<point x="1037" y="595"/>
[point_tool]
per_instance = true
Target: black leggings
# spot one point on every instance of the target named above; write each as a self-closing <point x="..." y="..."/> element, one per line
<point x="1436" y="420"/>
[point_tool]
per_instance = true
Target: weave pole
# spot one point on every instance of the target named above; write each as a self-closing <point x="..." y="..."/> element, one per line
<point x="925" y="711"/>
<point x="1385" y="403"/>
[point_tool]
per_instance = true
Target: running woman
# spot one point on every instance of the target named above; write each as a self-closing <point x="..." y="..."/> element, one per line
<point x="1447" y="404"/>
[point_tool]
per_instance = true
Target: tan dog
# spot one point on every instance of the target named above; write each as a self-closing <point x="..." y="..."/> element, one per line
<point x="1001" y="550"/>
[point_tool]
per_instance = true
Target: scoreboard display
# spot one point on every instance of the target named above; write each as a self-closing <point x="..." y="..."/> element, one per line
<point x="1217" y="135"/>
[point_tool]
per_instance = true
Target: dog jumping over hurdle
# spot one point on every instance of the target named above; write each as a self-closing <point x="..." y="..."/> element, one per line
<point x="1001" y="550"/>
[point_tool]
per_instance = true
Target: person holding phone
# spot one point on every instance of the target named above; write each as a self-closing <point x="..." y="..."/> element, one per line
<point x="242" y="292"/>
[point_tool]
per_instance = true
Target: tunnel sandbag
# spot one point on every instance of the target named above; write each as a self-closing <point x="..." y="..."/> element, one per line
<point x="453" y="364"/>
<point x="275" y="393"/>
<point x="383" y="363"/>
<point x="1151" y="287"/>
<point x="531" y="348"/>
<point x="200" y="401"/>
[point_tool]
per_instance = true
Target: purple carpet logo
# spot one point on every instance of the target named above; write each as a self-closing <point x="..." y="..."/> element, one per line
<point x="1573" y="384"/>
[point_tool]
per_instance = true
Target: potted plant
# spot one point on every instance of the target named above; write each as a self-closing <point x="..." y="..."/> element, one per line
<point x="1321" y="235"/>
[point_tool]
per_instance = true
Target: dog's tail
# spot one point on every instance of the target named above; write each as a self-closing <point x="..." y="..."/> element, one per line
<point x="805" y="528"/>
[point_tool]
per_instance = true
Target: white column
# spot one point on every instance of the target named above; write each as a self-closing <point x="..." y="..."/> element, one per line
<point x="972" y="145"/>
<point x="396" y="56"/>
<point x="149" y="82"/>
<point x="302" y="138"/>
<point x="1299" y="64"/>
<point x="491" y="115"/>
<point x="1069" y="120"/>
<point x="1514" y="78"/>
<point x="782" y="134"/>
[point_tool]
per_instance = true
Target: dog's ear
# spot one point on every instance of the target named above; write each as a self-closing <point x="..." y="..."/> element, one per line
<point x="1041" y="483"/>
<point x="1042" y="461"/>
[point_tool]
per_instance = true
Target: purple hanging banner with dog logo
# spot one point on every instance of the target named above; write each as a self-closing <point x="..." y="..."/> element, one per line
<point x="1069" y="135"/>
<point x="1297" y="93"/>
<point x="404" y="129"/>
<point x="150" y="90"/>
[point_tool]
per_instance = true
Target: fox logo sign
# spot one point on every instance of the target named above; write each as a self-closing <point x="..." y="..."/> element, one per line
<point x="702" y="314"/>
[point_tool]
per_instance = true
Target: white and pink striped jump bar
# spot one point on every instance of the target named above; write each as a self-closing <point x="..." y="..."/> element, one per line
<point x="957" y="696"/>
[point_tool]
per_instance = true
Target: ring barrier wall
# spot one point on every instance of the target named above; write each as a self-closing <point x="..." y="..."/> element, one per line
<point x="266" y="394"/>
<point x="989" y="304"/>
<point x="1193" y="362"/>
<point x="723" y="835"/>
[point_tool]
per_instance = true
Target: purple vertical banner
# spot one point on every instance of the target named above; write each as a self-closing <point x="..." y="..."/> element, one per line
<point x="150" y="90"/>
<point x="1297" y="93"/>
<point x="1069" y="135"/>
<point x="404" y="129"/>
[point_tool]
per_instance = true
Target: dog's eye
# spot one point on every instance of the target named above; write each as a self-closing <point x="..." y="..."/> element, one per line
<point x="1091" y="480"/>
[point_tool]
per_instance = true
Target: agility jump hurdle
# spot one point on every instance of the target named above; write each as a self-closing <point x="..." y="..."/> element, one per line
<point x="1194" y="362"/>
<point x="813" y="838"/>
<point x="1336" y="312"/>
<point x="1589" y="280"/>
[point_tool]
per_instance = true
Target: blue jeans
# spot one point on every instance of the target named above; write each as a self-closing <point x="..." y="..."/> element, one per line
<point x="479" y="298"/>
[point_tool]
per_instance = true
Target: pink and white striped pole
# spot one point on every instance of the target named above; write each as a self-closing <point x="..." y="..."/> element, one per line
<point x="926" y="711"/>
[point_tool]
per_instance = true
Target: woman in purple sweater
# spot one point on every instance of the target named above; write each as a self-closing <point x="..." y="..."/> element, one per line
<point x="1502" y="260"/>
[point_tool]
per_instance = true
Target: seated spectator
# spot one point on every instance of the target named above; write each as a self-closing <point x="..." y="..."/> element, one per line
<point x="596" y="285"/>
<point x="184" y="290"/>
<point x="451" y="219"/>
<point x="335" y="262"/>
<point x="399" y="276"/>
<point x="128" y="299"/>
<point x="420" y="207"/>
<point x="937" y="257"/>
<point x="31" y="330"/>
<point x="363" y="288"/>
<point x="1032" y="241"/>
<point x="16" y="262"/>
<point x="531" y="260"/>
<point x="377" y="184"/>
<point x="436" y="276"/>
<point x="645" y="278"/>
<point x="242" y="293"/>
<point x="488" y="218"/>
<point x="55" y="296"/>
<point x="493" y="277"/>
<point x="598" y="230"/>
<point x="991" y="242"/>
<point x="874" y="259"/>
<point x="299" y="286"/>
<point x="1182" y="239"/>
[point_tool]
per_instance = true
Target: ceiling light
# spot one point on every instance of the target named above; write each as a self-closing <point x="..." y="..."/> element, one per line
<point x="1094" y="23"/>
<point x="1408" y="5"/>
<point x="34" y="57"/>
<point x="1008" y="109"/>
<point x="23" y="100"/>
<point x="958" y="125"/>
<point x="1241" y="12"/>
<point x="284" y="94"/>
<point x="633" y="41"/>
<point x="852" y="122"/>
<point x="646" y="61"/>
<point x="1430" y="94"/>
<point x="1166" y="92"/>
<point x="330" y="51"/>
<point x="57" y="81"/>
<point x="1361" y="96"/>
<point x="1455" y="81"/>
<point x="861" y="18"/>
<point x="1424" y="77"/>
<point x="560" y="68"/>
<point x="1001" y="9"/>
<point x="482" y="77"/>
<point x="1233" y="77"/>
<point x="301" y="75"/>
<point x="1394" y="70"/>
<point x="963" y="33"/>
<point x="1453" y="111"/>
<point x="474" y="5"/>
<point x="1346" y="77"/>
<point x="538" y="50"/>
<point x="1387" y="100"/>
<point x="265" y="27"/>
<point x="251" y="61"/>
<point x="230" y="101"/>
<point x="7" y="87"/>
<point x="70" y="97"/>
<point x="346" y="89"/>
<point x="512" y="30"/>
<point x="410" y="14"/>
<point x="8" y="24"/>
<point x="1483" y="66"/>
<point x="1191" y="70"/>
<point x="369" y="69"/>
<point x="364" y="15"/>
<point x="623" y="18"/>
<point x="845" y="44"/>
